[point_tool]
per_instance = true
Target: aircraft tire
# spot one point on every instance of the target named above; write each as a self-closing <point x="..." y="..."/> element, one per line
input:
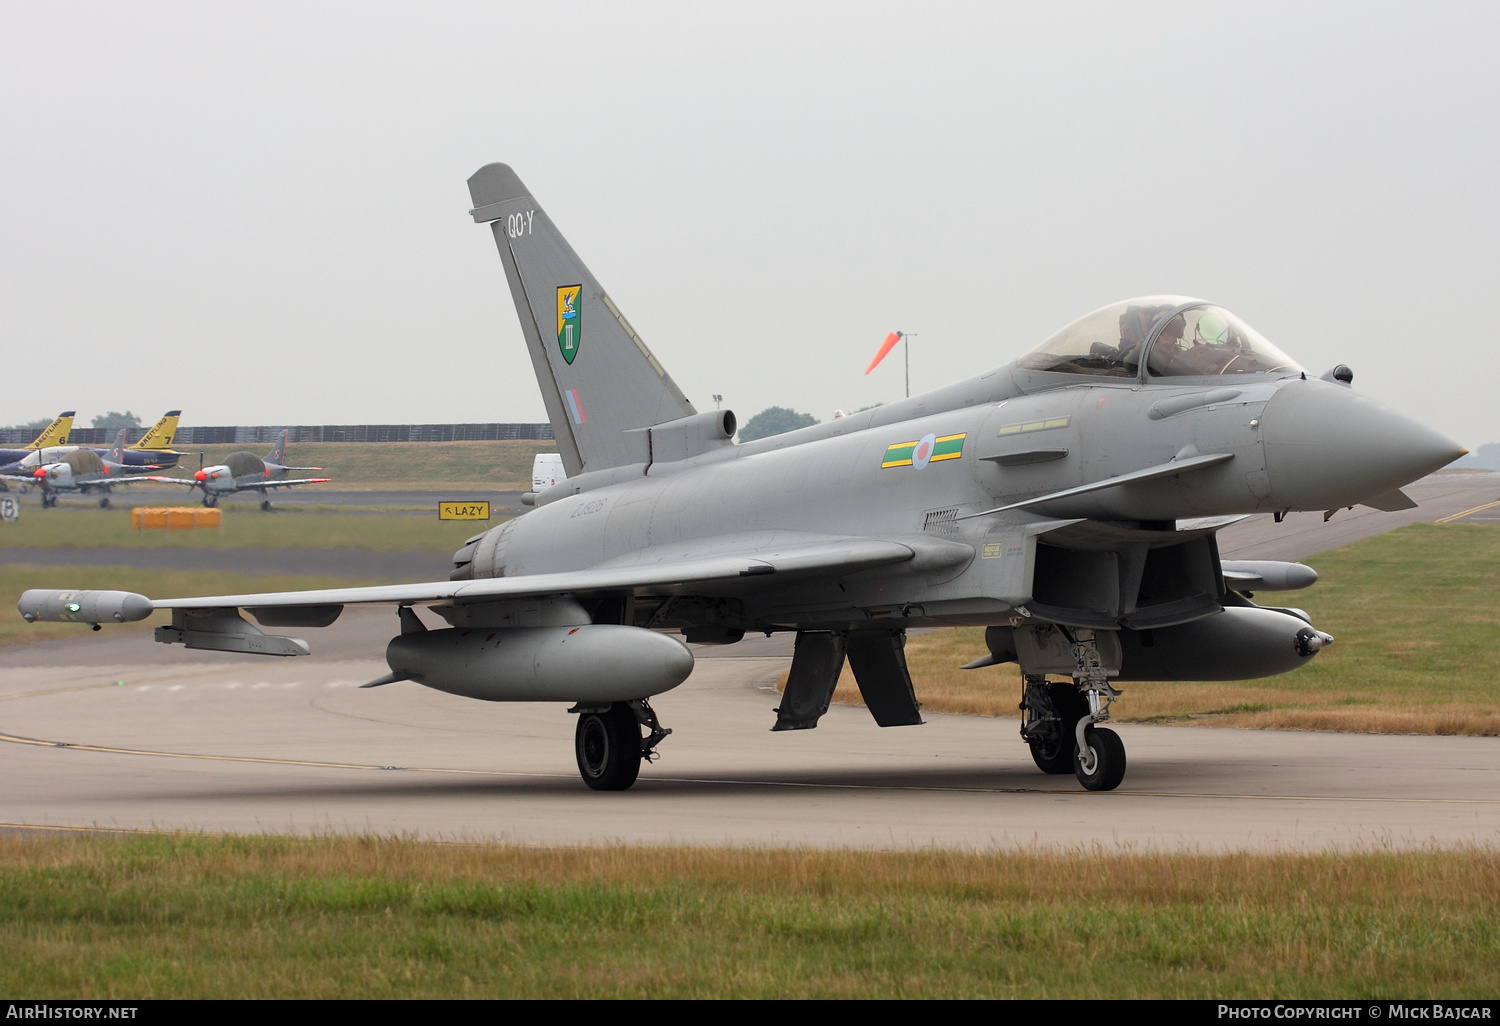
<point x="608" y="747"/>
<point x="1055" y="754"/>
<point x="1109" y="760"/>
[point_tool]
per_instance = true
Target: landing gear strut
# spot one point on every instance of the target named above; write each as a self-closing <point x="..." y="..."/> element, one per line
<point x="1060" y="720"/>
<point x="1099" y="755"/>
<point x="609" y="745"/>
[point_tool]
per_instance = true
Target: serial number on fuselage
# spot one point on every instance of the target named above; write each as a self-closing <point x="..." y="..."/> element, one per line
<point x="592" y="506"/>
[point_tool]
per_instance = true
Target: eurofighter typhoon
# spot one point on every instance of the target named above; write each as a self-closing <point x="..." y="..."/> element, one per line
<point x="1066" y="501"/>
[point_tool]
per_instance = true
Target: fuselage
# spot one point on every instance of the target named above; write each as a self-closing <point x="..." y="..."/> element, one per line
<point x="133" y="461"/>
<point x="1006" y="436"/>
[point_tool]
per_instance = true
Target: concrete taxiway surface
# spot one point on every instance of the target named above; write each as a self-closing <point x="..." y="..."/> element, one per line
<point x="145" y="738"/>
<point x="113" y="731"/>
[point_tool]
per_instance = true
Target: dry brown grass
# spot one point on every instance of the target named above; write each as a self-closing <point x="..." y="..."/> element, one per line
<point x="1416" y="615"/>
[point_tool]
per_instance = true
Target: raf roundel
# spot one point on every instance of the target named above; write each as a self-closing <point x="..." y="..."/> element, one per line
<point x="923" y="452"/>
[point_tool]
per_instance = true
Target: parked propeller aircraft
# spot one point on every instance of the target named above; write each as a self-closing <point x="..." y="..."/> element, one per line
<point x="1067" y="501"/>
<point x="80" y="470"/>
<point x="246" y="472"/>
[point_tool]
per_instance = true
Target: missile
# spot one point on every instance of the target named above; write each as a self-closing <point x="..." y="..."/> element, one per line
<point x="587" y="663"/>
<point x="1267" y="575"/>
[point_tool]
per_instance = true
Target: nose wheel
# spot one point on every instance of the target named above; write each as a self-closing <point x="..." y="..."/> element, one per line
<point x="1100" y="764"/>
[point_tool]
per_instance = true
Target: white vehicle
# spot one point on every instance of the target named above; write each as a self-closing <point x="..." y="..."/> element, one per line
<point x="547" y="470"/>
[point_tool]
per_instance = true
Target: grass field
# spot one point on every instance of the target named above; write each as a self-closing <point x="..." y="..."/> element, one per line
<point x="1416" y="615"/>
<point x="235" y="917"/>
<point x="414" y="466"/>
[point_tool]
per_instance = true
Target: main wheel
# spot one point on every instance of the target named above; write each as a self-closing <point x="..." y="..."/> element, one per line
<point x="1054" y="753"/>
<point x="104" y="502"/>
<point x="1101" y="766"/>
<point x="265" y="505"/>
<point x="608" y="746"/>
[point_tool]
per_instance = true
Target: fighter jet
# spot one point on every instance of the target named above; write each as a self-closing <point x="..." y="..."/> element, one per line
<point x="1066" y="500"/>
<point x="153" y="452"/>
<point x="79" y="470"/>
<point x="246" y="472"/>
<point x="54" y="434"/>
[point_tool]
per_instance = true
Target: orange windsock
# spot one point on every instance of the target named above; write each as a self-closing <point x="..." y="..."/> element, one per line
<point x="885" y="347"/>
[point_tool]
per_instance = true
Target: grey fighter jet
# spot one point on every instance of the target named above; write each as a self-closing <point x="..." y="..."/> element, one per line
<point x="80" y="470"/>
<point x="246" y="472"/>
<point x="1067" y="501"/>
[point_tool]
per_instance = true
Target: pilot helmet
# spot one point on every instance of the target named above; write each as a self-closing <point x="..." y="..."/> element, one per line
<point x="1213" y="329"/>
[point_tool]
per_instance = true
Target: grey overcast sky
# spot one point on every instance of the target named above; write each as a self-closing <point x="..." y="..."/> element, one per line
<point x="257" y="212"/>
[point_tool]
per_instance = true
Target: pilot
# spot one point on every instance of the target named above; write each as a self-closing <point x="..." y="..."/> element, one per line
<point x="1168" y="347"/>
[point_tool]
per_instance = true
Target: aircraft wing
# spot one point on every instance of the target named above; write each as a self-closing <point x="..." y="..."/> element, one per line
<point x="124" y="479"/>
<point x="243" y="488"/>
<point x="285" y="484"/>
<point x="799" y="557"/>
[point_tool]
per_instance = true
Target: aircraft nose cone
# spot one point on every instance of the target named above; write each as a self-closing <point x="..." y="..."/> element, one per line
<point x="1328" y="446"/>
<point x="39" y="472"/>
<point x="201" y="475"/>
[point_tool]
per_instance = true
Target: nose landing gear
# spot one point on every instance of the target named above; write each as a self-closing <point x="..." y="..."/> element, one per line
<point x="1060" y="719"/>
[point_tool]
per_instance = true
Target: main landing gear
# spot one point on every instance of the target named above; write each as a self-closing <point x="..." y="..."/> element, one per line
<point x="210" y="501"/>
<point x="1059" y="721"/>
<point x="49" y="500"/>
<point x="609" y="745"/>
<point x="104" y="503"/>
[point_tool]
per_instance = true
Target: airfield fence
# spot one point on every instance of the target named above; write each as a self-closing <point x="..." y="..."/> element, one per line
<point x="263" y="435"/>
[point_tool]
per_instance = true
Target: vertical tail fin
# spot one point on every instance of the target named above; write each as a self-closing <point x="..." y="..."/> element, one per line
<point x="278" y="454"/>
<point x="598" y="379"/>
<point x="55" y="433"/>
<point x="116" y="452"/>
<point x="160" y="435"/>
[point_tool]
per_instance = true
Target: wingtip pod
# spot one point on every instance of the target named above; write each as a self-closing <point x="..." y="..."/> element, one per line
<point x="885" y="347"/>
<point x="52" y="606"/>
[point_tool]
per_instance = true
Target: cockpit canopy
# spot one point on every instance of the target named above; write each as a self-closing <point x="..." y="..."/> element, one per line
<point x="1180" y="337"/>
